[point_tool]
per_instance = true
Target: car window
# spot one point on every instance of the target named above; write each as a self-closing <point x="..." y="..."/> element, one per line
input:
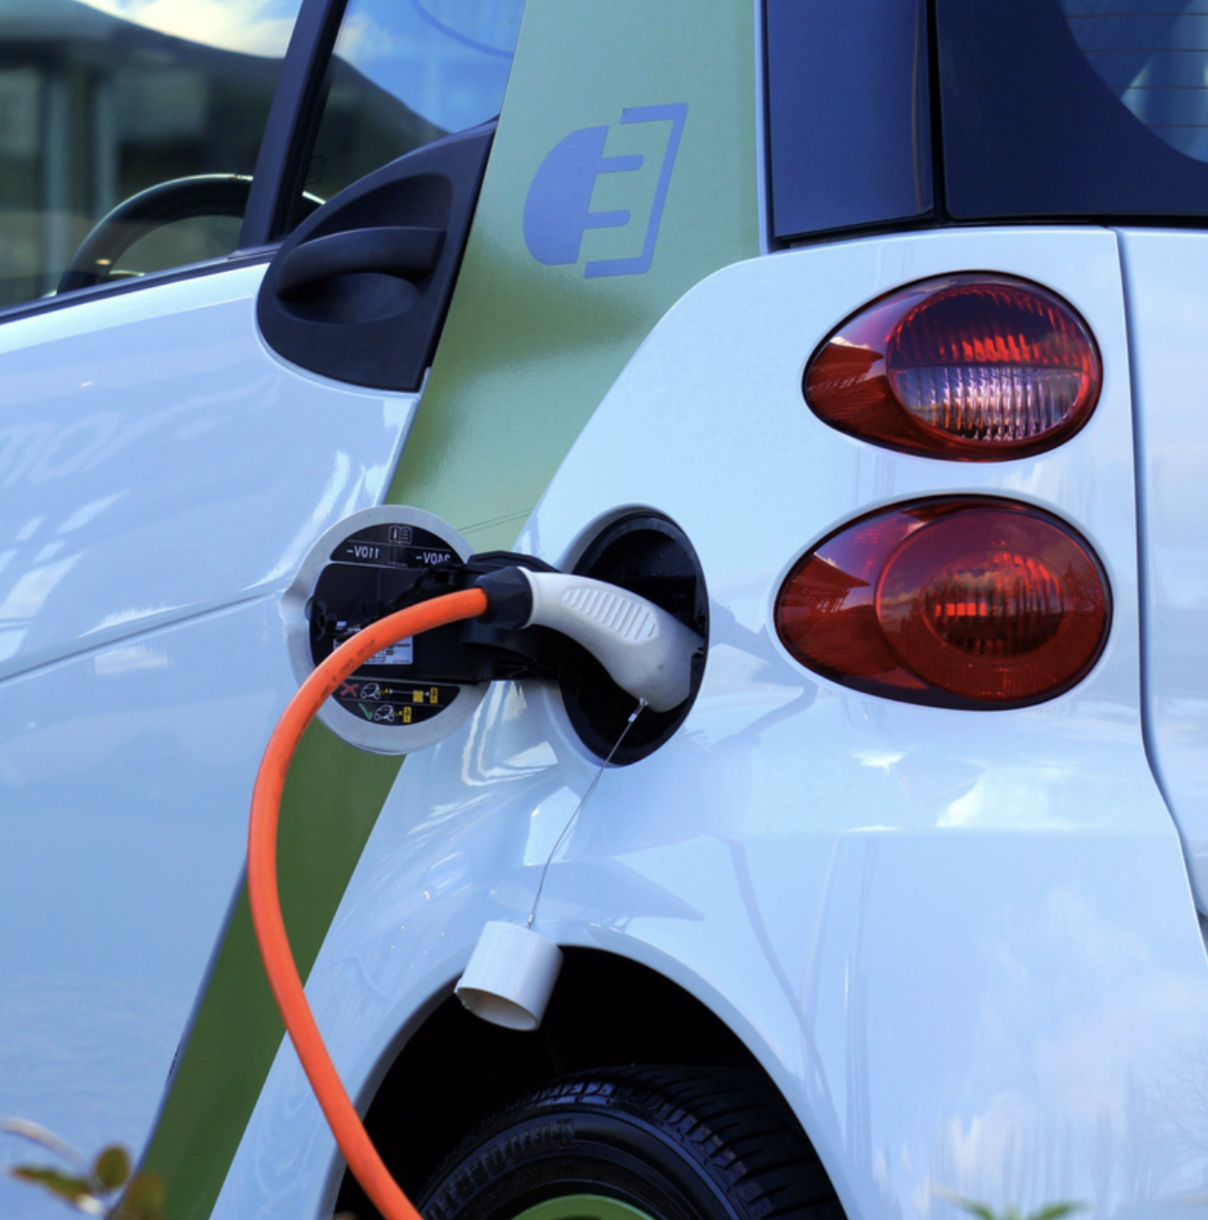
<point x="1152" y="55"/>
<point x="101" y="100"/>
<point x="848" y="114"/>
<point x="405" y="73"/>
<point x="1074" y="108"/>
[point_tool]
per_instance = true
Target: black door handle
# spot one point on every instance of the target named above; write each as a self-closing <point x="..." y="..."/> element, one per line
<point x="406" y="251"/>
<point x="364" y="327"/>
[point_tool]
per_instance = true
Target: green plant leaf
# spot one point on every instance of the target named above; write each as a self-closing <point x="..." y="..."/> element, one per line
<point x="77" y="1191"/>
<point x="1051" y="1211"/>
<point x="974" y="1209"/>
<point x="145" y="1199"/>
<point x="112" y="1166"/>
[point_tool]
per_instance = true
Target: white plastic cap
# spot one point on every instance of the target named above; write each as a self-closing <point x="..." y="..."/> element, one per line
<point x="510" y="976"/>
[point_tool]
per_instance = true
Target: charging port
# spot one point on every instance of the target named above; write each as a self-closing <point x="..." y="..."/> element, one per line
<point x="538" y="626"/>
<point x="651" y="556"/>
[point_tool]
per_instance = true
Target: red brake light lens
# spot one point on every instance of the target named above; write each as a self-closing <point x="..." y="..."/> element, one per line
<point x="968" y="367"/>
<point x="968" y="602"/>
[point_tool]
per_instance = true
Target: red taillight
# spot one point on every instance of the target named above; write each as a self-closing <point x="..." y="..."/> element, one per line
<point x="964" y="602"/>
<point x="970" y="367"/>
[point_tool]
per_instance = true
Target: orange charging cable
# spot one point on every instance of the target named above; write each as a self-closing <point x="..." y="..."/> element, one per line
<point x="362" y="1157"/>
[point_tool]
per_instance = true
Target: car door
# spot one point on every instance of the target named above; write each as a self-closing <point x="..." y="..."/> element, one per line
<point x="163" y="470"/>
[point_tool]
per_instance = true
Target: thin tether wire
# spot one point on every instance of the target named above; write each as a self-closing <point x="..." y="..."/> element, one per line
<point x="553" y="851"/>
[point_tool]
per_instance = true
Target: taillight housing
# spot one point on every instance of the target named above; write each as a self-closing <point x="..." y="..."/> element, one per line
<point x="958" y="601"/>
<point x="970" y="367"/>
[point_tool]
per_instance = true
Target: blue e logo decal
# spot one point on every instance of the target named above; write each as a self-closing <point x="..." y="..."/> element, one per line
<point x="557" y="210"/>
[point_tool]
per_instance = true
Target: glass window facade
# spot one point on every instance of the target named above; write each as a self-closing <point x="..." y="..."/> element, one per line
<point x="104" y="99"/>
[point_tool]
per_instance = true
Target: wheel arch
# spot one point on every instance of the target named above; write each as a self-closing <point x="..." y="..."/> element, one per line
<point x="607" y="1010"/>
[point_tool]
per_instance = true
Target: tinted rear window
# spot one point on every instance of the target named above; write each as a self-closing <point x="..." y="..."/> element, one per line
<point x="1094" y="108"/>
<point x="848" y="113"/>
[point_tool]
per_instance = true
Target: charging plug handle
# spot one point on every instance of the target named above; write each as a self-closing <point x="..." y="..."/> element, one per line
<point x="645" y="650"/>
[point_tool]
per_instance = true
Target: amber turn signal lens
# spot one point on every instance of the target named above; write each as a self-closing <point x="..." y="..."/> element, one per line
<point x="970" y="367"/>
<point x="968" y="602"/>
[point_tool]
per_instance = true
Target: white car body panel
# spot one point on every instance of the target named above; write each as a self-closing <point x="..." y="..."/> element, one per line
<point x="962" y="944"/>
<point x="1164" y="274"/>
<point x="156" y="459"/>
<point x="162" y="474"/>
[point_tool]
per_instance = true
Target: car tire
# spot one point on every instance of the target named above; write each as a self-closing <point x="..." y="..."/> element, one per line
<point x="648" y="1143"/>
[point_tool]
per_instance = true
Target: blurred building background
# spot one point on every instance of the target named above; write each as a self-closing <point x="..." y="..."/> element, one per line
<point x="95" y="108"/>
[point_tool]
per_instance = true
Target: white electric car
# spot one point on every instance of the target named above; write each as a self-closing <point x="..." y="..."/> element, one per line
<point x="867" y="340"/>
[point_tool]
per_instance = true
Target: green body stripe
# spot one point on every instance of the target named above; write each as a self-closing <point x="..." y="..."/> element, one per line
<point x="331" y="801"/>
<point x="528" y="351"/>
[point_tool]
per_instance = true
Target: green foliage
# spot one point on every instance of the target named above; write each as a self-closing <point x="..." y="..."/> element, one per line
<point x="112" y="1167"/>
<point x="74" y="1190"/>
<point x="1051" y="1211"/>
<point x="95" y="1189"/>
<point x="145" y="1199"/>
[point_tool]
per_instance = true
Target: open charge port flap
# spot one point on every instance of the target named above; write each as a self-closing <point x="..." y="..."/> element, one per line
<point x="650" y="555"/>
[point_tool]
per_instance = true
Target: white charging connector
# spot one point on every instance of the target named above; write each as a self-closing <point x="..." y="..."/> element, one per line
<point x="645" y="650"/>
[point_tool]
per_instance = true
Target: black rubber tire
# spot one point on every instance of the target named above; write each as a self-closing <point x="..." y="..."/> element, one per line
<point x="678" y="1143"/>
